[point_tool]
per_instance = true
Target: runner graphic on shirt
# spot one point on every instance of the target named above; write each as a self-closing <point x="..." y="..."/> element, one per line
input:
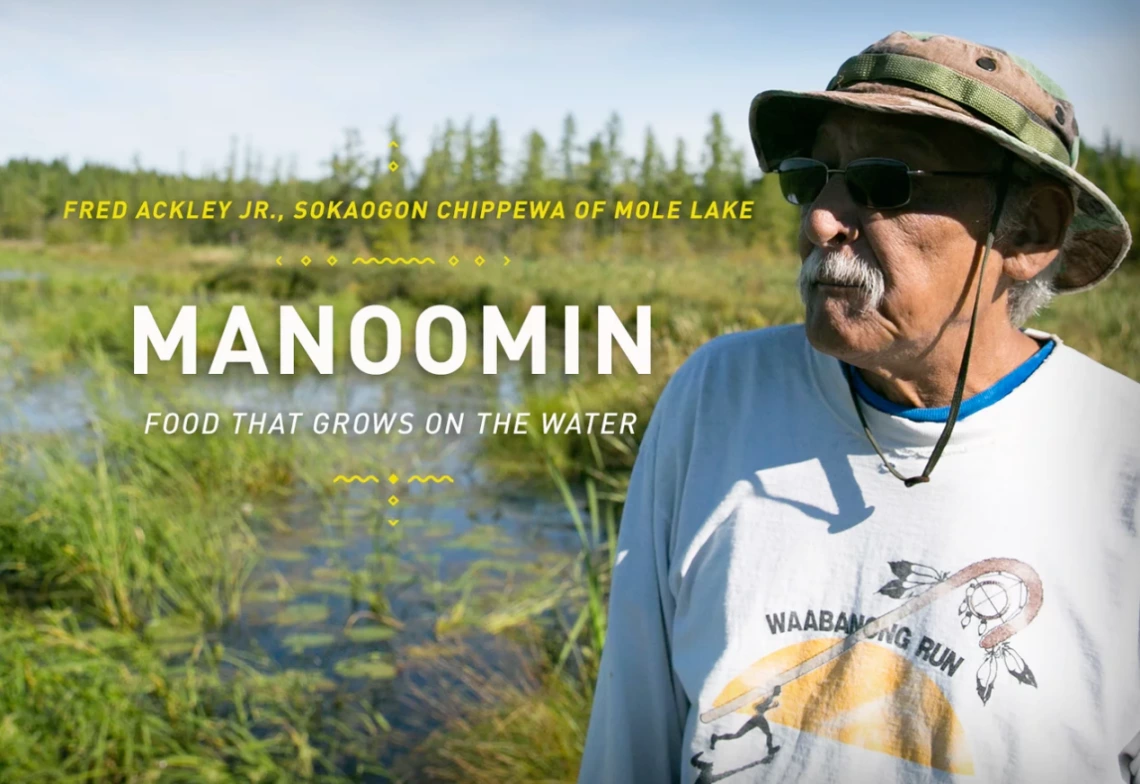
<point x="757" y="721"/>
<point x="706" y="775"/>
<point x="833" y="695"/>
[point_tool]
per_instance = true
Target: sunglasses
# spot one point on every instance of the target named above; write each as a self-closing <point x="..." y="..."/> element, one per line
<point x="877" y="183"/>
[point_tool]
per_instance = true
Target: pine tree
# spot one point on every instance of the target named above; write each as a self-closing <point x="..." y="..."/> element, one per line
<point x="652" y="170"/>
<point x="490" y="160"/>
<point x="566" y="147"/>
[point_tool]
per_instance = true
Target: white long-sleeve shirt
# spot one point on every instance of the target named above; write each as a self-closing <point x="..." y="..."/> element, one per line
<point x="785" y="610"/>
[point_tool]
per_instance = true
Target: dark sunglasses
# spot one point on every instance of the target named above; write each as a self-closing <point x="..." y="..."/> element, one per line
<point x="877" y="183"/>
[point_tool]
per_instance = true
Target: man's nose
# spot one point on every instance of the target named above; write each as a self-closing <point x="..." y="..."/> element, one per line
<point x="832" y="220"/>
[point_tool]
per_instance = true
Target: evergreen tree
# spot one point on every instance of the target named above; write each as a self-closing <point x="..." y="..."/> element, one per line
<point x="651" y="174"/>
<point x="566" y="147"/>
<point x="490" y="160"/>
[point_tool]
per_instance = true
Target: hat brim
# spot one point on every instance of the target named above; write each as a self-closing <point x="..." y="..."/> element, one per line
<point x="782" y="124"/>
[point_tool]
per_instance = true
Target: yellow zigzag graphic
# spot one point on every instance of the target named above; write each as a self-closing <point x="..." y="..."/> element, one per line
<point x="355" y="478"/>
<point x="397" y="260"/>
<point x="431" y="478"/>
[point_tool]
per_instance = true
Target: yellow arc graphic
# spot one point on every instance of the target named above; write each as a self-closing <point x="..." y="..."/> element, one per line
<point x="857" y="699"/>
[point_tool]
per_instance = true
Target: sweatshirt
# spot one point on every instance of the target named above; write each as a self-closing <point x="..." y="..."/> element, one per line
<point x="783" y="609"/>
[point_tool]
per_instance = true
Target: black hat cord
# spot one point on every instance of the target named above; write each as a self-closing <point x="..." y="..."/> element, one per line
<point x="960" y="386"/>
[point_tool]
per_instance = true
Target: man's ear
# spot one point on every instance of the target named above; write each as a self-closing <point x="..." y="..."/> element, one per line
<point x="1032" y="246"/>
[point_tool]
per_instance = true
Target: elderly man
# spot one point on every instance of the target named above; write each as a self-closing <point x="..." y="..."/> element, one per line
<point x="799" y="595"/>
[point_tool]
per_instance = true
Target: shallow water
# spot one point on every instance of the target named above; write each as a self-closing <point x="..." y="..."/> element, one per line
<point x="338" y="565"/>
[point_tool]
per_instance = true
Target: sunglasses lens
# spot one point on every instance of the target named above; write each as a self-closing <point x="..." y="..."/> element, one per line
<point x="879" y="183"/>
<point x="802" y="179"/>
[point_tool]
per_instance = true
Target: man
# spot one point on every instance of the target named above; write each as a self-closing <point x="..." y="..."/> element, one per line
<point x="912" y="520"/>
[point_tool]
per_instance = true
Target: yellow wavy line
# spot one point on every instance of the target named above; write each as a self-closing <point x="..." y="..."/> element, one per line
<point x="397" y="260"/>
<point x="431" y="478"/>
<point x="355" y="478"/>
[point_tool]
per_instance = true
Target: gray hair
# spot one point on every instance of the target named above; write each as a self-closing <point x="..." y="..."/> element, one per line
<point x="1026" y="297"/>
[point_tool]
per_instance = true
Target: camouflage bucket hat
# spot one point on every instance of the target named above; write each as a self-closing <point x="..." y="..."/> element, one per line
<point x="1000" y="95"/>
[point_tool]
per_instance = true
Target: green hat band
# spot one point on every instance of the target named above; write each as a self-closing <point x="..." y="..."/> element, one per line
<point x="1007" y="113"/>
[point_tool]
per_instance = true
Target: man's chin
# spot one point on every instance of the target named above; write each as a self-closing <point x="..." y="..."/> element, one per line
<point x="833" y="327"/>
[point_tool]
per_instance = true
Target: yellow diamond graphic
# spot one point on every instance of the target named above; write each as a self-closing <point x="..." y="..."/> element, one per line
<point x="331" y="260"/>
<point x="393" y="479"/>
<point x="306" y="260"/>
<point x="479" y="260"/>
<point x="393" y="166"/>
<point x="393" y="500"/>
<point x="393" y="523"/>
<point x="453" y="261"/>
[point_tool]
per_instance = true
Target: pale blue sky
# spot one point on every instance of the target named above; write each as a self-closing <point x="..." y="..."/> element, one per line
<point x="173" y="82"/>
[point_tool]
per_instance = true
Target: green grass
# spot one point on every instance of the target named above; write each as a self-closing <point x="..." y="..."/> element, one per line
<point x="534" y="730"/>
<point x="96" y="705"/>
<point x="135" y="525"/>
<point x="516" y="733"/>
<point x="123" y="556"/>
<point x="1102" y="322"/>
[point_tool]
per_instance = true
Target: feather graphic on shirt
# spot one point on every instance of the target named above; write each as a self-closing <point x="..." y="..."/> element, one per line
<point x="911" y="579"/>
<point x="1017" y="666"/>
<point x="987" y="674"/>
<point x="994" y="598"/>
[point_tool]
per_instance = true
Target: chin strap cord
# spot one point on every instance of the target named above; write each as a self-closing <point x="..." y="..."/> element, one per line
<point x="960" y="386"/>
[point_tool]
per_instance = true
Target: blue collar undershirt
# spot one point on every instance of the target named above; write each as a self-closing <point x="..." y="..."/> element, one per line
<point x="969" y="406"/>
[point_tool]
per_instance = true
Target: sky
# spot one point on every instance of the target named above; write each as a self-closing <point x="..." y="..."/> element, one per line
<point x="173" y="83"/>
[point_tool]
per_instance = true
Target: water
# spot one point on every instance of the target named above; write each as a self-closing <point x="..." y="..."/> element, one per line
<point x="340" y="563"/>
<point x="18" y="275"/>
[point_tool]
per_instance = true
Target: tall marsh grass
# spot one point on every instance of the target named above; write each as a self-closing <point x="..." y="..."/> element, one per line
<point x="121" y="556"/>
<point x="535" y="731"/>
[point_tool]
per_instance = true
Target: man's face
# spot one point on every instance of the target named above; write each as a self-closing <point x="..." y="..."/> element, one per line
<point x="907" y="271"/>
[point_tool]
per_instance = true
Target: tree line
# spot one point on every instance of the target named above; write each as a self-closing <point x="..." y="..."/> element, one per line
<point x="462" y="163"/>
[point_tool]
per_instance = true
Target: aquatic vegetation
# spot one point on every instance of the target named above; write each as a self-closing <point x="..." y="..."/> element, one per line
<point x="130" y="530"/>
<point x="324" y="588"/>
<point x="301" y="614"/>
<point x="369" y="634"/>
<point x="370" y="666"/>
<point x="286" y="556"/>
<point x="108" y="707"/>
<point x="301" y="642"/>
<point x="329" y="573"/>
<point x="263" y="596"/>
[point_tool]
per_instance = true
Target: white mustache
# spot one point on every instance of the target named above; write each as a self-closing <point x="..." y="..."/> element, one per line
<point x="843" y="268"/>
